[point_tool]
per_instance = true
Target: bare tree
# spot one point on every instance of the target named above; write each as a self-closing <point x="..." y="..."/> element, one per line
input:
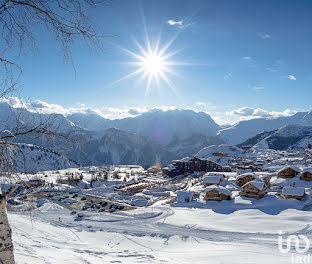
<point x="69" y="21"/>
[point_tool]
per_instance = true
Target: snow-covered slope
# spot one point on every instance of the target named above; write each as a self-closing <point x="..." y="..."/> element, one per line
<point x="256" y="139"/>
<point x="90" y="121"/>
<point x="120" y="147"/>
<point x="220" y="153"/>
<point x="244" y="130"/>
<point x="156" y="235"/>
<point x="31" y="158"/>
<point x="295" y="137"/>
<point x="163" y="126"/>
<point x="139" y="140"/>
<point x="192" y="144"/>
<point x="156" y="125"/>
<point x="11" y="117"/>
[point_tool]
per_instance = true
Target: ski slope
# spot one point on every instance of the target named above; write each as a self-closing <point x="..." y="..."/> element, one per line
<point x="158" y="234"/>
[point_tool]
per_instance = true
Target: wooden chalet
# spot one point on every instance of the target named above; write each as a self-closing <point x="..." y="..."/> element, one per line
<point x="184" y="197"/>
<point x="36" y="182"/>
<point x="293" y="192"/>
<point x="254" y="189"/>
<point x="288" y="172"/>
<point x="306" y="175"/>
<point x="216" y="193"/>
<point x="244" y="178"/>
<point x="171" y="170"/>
<point x="212" y="178"/>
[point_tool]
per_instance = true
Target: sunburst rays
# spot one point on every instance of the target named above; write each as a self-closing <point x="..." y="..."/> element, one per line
<point x="153" y="63"/>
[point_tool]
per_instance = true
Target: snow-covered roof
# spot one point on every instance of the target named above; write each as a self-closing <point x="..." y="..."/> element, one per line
<point x="295" y="168"/>
<point x="246" y="174"/>
<point x="197" y="188"/>
<point x="212" y="179"/>
<point x="307" y="170"/>
<point x="256" y="183"/>
<point x="214" y="174"/>
<point x="182" y="195"/>
<point x="170" y="167"/>
<point x="186" y="159"/>
<point x="297" y="191"/>
<point x="220" y="189"/>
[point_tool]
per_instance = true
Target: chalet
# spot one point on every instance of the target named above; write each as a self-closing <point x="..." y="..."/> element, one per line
<point x="216" y="193"/>
<point x="288" y="172"/>
<point x="36" y="182"/>
<point x="212" y="178"/>
<point x="154" y="169"/>
<point x="306" y="174"/>
<point x="184" y="197"/>
<point x="219" y="174"/>
<point x="254" y="189"/>
<point x="293" y="192"/>
<point x="214" y="173"/>
<point x="244" y="178"/>
<point x="247" y="162"/>
<point x="171" y="170"/>
<point x="196" y="190"/>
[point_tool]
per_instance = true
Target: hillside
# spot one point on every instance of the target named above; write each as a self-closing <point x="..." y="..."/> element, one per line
<point x="158" y="126"/>
<point x="115" y="146"/>
<point x="31" y="158"/>
<point x="220" y="154"/>
<point x="256" y="139"/>
<point x="244" y="130"/>
<point x="295" y="137"/>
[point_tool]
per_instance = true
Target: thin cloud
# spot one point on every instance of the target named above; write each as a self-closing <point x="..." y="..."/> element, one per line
<point x="175" y="23"/>
<point x="227" y="76"/>
<point x="206" y="105"/>
<point x="271" y="69"/>
<point x="246" y="58"/>
<point x="264" y="35"/>
<point x="257" y="88"/>
<point x="249" y="112"/>
<point x="291" y="77"/>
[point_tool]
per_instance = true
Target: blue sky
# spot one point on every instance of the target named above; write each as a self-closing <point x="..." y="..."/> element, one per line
<point x="244" y="59"/>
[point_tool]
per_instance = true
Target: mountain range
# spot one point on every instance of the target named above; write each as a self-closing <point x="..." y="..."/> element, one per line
<point x="294" y="137"/>
<point x="155" y="136"/>
<point x="244" y="130"/>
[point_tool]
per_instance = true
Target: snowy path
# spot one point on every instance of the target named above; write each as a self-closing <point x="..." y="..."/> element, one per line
<point x="155" y="235"/>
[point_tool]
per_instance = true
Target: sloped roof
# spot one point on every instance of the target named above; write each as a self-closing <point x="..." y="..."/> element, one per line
<point x="170" y="167"/>
<point x="246" y="174"/>
<point x="307" y="170"/>
<point x="256" y="183"/>
<point x="183" y="195"/>
<point x="297" y="191"/>
<point x="212" y="179"/>
<point x="295" y="168"/>
<point x="211" y="173"/>
<point x="186" y="159"/>
<point x="220" y="189"/>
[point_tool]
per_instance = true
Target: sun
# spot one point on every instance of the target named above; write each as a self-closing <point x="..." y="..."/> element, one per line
<point x="153" y="63"/>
